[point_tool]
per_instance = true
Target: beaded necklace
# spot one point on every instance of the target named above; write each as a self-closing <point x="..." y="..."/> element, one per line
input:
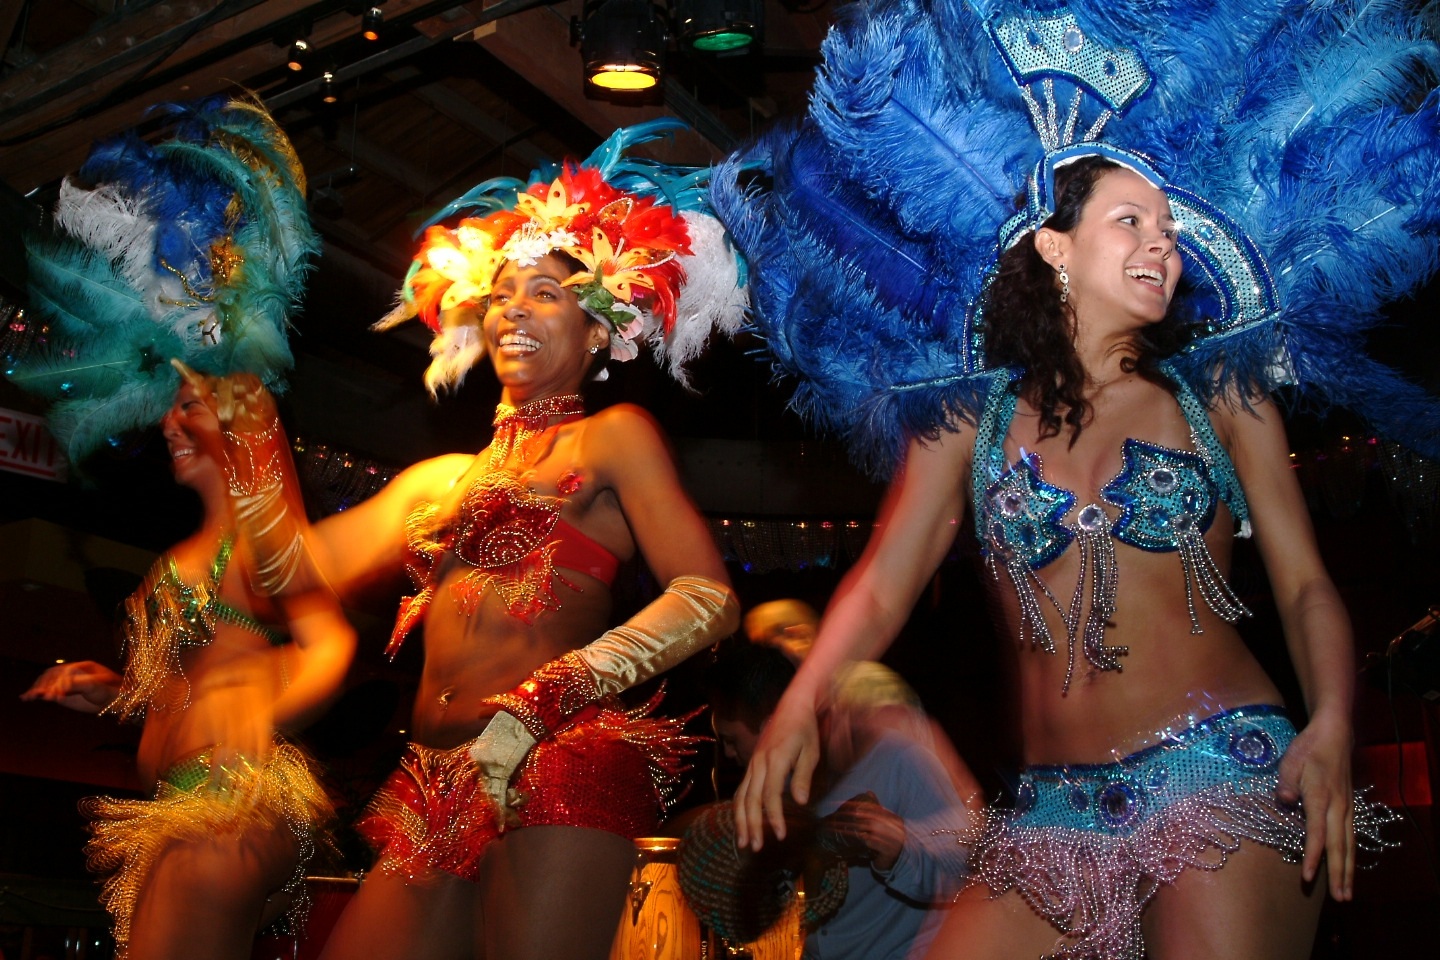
<point x="517" y="427"/>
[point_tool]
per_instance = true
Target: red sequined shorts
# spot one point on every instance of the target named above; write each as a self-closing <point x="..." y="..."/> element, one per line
<point x="610" y="769"/>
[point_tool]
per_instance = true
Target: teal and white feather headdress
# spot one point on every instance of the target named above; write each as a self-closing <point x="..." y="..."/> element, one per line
<point x="195" y="248"/>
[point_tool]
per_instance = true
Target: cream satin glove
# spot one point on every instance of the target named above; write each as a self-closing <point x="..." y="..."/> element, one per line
<point x="692" y="613"/>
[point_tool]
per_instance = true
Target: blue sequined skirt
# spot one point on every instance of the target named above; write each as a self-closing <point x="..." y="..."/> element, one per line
<point x="1236" y="747"/>
<point x="1087" y="845"/>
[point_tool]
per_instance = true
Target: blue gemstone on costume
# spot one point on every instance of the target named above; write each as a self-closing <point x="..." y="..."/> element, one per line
<point x="1074" y="40"/>
<point x="1079" y="798"/>
<point x="1118" y="805"/>
<point x="1253" y="748"/>
<point x="1161" y="493"/>
<point x="1026" y="511"/>
<point x="1025" y="796"/>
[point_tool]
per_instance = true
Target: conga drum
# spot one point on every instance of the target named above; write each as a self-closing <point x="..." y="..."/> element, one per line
<point x="328" y="896"/>
<point x="785" y="939"/>
<point x="657" y="924"/>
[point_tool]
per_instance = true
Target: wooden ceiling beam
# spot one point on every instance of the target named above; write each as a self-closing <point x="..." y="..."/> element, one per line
<point x="386" y="262"/>
<point x="378" y="160"/>
<point x="99" y="57"/>
<point x="198" y="68"/>
<point x="457" y="109"/>
<point x="10" y="11"/>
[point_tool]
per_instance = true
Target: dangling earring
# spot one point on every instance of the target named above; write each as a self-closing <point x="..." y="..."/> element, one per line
<point x="594" y="349"/>
<point x="1064" y="285"/>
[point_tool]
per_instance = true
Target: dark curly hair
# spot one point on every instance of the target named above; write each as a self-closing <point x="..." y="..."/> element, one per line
<point x="1026" y="325"/>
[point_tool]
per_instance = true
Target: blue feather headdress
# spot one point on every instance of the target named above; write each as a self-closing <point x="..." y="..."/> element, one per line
<point x="657" y="264"/>
<point x="193" y="248"/>
<point x="1299" y="144"/>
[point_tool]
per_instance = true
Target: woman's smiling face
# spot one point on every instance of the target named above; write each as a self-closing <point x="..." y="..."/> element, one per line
<point x="1121" y="256"/>
<point x="538" y="337"/>
<point x="192" y="435"/>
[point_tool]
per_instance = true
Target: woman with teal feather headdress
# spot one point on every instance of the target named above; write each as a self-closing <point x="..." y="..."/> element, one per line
<point x="507" y="829"/>
<point x="190" y="253"/>
<point x="1216" y="197"/>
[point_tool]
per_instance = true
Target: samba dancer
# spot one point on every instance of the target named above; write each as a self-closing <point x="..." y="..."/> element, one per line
<point x="507" y="830"/>
<point x="196" y="247"/>
<point x="1107" y="446"/>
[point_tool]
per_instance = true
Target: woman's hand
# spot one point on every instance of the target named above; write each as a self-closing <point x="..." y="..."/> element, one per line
<point x="789" y="747"/>
<point x="1316" y="768"/>
<point x="84" y="685"/>
<point x="1316" y="773"/>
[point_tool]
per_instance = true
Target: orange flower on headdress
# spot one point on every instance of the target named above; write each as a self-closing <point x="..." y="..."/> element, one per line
<point x="619" y="270"/>
<point x="467" y="258"/>
<point x="627" y="244"/>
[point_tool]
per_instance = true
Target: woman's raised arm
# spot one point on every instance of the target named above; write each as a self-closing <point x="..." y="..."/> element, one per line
<point x="357" y="546"/>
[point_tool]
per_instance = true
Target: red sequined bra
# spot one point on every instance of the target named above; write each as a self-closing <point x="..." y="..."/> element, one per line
<point x="511" y="538"/>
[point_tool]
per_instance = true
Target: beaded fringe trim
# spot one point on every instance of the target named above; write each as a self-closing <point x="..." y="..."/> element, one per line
<point x="128" y="836"/>
<point x="1093" y="887"/>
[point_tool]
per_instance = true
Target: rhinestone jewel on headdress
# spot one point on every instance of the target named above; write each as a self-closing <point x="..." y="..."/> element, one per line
<point x="1055" y="48"/>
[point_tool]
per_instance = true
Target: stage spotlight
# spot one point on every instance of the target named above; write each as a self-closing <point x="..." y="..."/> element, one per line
<point x="327" y="87"/>
<point x="714" y="26"/>
<point x="371" y="23"/>
<point x="299" y="53"/>
<point x="622" y="44"/>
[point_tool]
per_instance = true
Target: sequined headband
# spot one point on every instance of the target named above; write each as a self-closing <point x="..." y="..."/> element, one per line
<point x="1040" y="52"/>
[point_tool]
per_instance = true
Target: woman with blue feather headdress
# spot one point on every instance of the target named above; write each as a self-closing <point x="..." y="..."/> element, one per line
<point x="166" y="289"/>
<point x="1216" y="197"/>
<point x="508" y="828"/>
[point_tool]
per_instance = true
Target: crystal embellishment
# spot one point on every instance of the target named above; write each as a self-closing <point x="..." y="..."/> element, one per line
<point x="1253" y="748"/>
<point x="1119" y="806"/>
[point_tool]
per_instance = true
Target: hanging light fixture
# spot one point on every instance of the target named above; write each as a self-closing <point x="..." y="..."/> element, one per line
<point x="299" y="53"/>
<point x="327" y="87"/>
<point x="371" y="23"/>
<point x="622" y="44"/>
<point x="715" y="26"/>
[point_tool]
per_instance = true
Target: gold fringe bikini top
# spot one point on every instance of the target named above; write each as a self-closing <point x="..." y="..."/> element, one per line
<point x="166" y="615"/>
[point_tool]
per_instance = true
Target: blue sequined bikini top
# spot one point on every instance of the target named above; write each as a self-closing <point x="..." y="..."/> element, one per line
<point x="1160" y="492"/>
<point x="1166" y="501"/>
